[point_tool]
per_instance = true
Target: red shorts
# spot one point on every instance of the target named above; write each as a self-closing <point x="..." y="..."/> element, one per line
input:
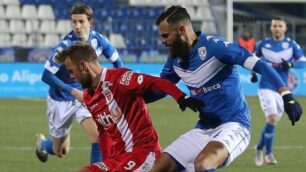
<point x="139" y="159"/>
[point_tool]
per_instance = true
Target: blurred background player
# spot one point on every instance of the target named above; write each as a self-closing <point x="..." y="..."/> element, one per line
<point x="206" y="64"/>
<point x="282" y="53"/>
<point x="247" y="41"/>
<point x="114" y="98"/>
<point x="62" y="107"/>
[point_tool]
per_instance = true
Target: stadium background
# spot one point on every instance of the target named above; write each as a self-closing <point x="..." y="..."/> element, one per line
<point x="29" y="29"/>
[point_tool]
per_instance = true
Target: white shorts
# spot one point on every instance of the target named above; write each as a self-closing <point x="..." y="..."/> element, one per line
<point x="271" y="102"/>
<point x="186" y="148"/>
<point x="61" y="114"/>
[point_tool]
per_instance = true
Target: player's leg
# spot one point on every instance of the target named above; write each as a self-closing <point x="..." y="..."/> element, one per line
<point x="91" y="129"/>
<point x="165" y="163"/>
<point x="213" y="155"/>
<point x="181" y="153"/>
<point x="271" y="104"/>
<point x="60" y="117"/>
<point x="61" y="146"/>
<point x="272" y="120"/>
<point x="227" y="142"/>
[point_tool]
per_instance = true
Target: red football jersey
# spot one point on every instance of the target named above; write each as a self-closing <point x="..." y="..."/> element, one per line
<point x="118" y="108"/>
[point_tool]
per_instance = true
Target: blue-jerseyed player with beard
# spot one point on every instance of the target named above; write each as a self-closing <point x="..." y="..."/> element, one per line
<point x="62" y="105"/>
<point x="207" y="66"/>
<point x="281" y="53"/>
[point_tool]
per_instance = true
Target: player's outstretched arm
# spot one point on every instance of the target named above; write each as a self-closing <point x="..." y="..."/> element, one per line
<point x="291" y="106"/>
<point x="184" y="101"/>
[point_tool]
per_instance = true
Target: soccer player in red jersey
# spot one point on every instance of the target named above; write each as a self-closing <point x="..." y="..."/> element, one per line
<point x="114" y="97"/>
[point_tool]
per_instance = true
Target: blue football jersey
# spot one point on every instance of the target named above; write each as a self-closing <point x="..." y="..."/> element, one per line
<point x="97" y="41"/>
<point x="210" y="74"/>
<point x="273" y="52"/>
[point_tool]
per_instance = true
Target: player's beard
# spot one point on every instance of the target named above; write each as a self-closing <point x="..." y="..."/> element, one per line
<point x="85" y="80"/>
<point x="179" y="48"/>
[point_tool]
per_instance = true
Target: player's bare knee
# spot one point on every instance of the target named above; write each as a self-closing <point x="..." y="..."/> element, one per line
<point x="272" y="119"/>
<point x="213" y="155"/>
<point x="202" y="164"/>
<point x="164" y="163"/>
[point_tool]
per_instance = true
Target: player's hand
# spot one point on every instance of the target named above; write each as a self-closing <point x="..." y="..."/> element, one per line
<point x="286" y="65"/>
<point x="192" y="103"/>
<point x="253" y="77"/>
<point x="292" y="108"/>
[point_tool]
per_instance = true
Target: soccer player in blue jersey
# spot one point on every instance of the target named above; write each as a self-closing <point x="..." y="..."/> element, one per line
<point x="281" y="53"/>
<point x="62" y="104"/>
<point x="207" y="66"/>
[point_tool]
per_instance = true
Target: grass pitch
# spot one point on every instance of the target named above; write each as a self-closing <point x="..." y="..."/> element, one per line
<point x="21" y="119"/>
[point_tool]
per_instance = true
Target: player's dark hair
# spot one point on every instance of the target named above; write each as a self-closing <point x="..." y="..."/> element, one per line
<point x="78" y="52"/>
<point x="80" y="8"/>
<point x="173" y="15"/>
<point x="279" y="18"/>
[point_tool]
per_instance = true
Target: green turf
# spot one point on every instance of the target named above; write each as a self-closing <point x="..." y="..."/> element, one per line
<point x="20" y="119"/>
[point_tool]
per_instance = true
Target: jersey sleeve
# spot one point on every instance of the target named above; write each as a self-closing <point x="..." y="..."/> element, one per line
<point x="297" y="51"/>
<point x="228" y="53"/>
<point x="109" y="51"/>
<point x="140" y="83"/>
<point x="258" y="52"/>
<point x="52" y="67"/>
<point x="51" y="64"/>
<point x="169" y="73"/>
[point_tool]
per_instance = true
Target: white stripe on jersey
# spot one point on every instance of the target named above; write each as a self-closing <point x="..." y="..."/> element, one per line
<point x="114" y="57"/>
<point x="98" y="51"/>
<point x="52" y="69"/>
<point x="250" y="62"/>
<point x="103" y="75"/>
<point x="202" y="74"/>
<point x="302" y="59"/>
<point x="276" y="57"/>
<point x="116" y="113"/>
<point x="126" y="133"/>
<point x="66" y="42"/>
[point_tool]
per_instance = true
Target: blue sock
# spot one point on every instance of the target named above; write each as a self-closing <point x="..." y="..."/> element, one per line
<point x="262" y="140"/>
<point x="95" y="153"/>
<point x="47" y="145"/>
<point x="269" y="137"/>
<point x="210" y="170"/>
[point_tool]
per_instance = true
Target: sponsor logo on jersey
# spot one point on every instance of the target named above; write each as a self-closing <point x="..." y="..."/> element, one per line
<point x="140" y="79"/>
<point x="93" y="106"/>
<point x="268" y="46"/>
<point x="205" y="90"/>
<point x="102" y="166"/>
<point x="107" y="119"/>
<point x="285" y="45"/>
<point x="202" y="52"/>
<point x="126" y="77"/>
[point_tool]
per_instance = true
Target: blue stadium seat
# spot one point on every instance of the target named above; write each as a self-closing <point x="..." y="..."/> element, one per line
<point x="27" y="2"/>
<point x="101" y="14"/>
<point x="61" y="13"/>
